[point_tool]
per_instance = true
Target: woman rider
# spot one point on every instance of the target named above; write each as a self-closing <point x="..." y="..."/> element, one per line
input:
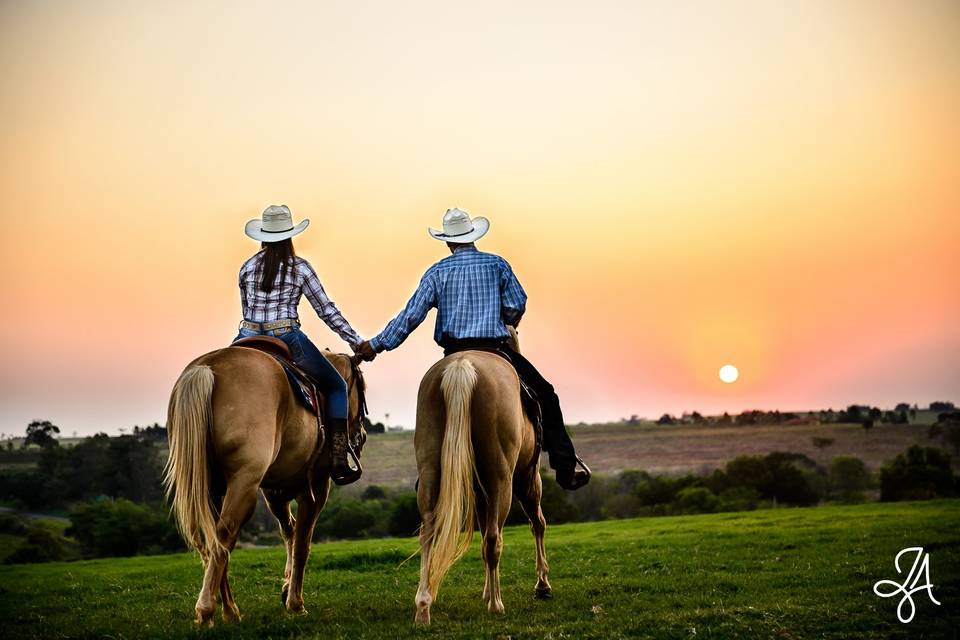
<point x="271" y="282"/>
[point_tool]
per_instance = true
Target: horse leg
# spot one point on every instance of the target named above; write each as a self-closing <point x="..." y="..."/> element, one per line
<point x="482" y="519"/>
<point x="238" y="505"/>
<point x="230" y="610"/>
<point x="497" y="510"/>
<point x="308" y="510"/>
<point x="280" y="508"/>
<point x="529" y="498"/>
<point x="424" y="599"/>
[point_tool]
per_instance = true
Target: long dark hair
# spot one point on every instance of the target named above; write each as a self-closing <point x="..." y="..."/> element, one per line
<point x="278" y="254"/>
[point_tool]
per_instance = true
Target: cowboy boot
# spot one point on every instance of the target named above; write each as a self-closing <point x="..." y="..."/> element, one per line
<point x="341" y="473"/>
<point x="572" y="478"/>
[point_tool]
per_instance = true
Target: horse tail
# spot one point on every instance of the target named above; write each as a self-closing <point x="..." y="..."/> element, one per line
<point x="453" y="521"/>
<point x="187" y="475"/>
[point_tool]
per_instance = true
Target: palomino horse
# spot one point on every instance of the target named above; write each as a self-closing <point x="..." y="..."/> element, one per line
<point x="235" y="427"/>
<point x="471" y="428"/>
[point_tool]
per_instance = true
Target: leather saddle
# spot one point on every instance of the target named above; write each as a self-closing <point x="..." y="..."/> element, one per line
<point x="301" y="383"/>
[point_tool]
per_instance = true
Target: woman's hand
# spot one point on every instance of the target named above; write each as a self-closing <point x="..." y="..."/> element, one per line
<point x="365" y="351"/>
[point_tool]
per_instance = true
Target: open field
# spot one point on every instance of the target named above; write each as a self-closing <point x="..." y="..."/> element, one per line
<point x="388" y="458"/>
<point x="784" y="573"/>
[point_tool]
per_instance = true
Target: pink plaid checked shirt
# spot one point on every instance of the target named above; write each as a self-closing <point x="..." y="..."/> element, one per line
<point x="282" y="301"/>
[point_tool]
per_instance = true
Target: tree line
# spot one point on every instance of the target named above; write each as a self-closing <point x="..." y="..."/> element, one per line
<point x="110" y="489"/>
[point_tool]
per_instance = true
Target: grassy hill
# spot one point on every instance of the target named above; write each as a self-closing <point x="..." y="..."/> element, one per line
<point x="784" y="573"/>
<point x="388" y="458"/>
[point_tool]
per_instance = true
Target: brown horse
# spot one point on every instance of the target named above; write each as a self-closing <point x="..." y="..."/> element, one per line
<point x="235" y="427"/>
<point x="472" y="430"/>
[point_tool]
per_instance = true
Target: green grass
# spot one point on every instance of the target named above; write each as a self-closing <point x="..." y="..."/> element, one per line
<point x="784" y="573"/>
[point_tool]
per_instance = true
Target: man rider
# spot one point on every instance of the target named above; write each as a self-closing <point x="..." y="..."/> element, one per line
<point x="477" y="295"/>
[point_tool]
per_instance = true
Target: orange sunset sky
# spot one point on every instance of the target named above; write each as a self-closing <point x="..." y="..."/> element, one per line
<point x="678" y="185"/>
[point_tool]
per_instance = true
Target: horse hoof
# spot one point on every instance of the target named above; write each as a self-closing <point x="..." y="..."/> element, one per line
<point x="423" y="617"/>
<point x="297" y="609"/>
<point x="201" y="621"/>
<point x="543" y="594"/>
<point x="283" y="594"/>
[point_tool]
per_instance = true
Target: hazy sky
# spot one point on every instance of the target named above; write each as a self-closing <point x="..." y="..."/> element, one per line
<point x="678" y="185"/>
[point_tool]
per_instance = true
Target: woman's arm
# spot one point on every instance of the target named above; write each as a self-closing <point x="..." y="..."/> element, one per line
<point x="324" y="306"/>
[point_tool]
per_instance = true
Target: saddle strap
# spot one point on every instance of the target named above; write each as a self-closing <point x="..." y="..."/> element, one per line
<point x="318" y="446"/>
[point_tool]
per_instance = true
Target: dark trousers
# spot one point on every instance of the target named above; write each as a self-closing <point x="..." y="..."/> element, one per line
<point x="556" y="440"/>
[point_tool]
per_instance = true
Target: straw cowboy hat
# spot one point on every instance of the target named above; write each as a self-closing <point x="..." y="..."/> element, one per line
<point x="459" y="228"/>
<point x="274" y="225"/>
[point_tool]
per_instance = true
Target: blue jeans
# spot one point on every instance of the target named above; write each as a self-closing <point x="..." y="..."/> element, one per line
<point x="309" y="358"/>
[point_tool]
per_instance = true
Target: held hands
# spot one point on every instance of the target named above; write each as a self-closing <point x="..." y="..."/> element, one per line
<point x="365" y="351"/>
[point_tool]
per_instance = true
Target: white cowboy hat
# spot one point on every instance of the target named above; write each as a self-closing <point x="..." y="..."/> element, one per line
<point x="459" y="228"/>
<point x="274" y="225"/>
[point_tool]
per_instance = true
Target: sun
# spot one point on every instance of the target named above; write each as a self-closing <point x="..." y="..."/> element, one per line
<point x="729" y="373"/>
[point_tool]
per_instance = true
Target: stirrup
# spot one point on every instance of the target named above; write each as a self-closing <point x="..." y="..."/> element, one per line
<point x="585" y="475"/>
<point x="581" y="463"/>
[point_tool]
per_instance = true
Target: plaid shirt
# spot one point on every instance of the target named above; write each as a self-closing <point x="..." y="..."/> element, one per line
<point x="282" y="301"/>
<point x="476" y="296"/>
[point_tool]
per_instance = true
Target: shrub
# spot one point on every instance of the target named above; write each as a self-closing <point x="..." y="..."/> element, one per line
<point x="848" y="478"/>
<point x="373" y="492"/>
<point x="122" y="528"/>
<point x="622" y="505"/>
<point x="921" y="473"/>
<point x="554" y="504"/>
<point x="42" y="544"/>
<point x="791" y="478"/>
<point x="11" y="523"/>
<point x="404" y="516"/>
<point x="696" y="500"/>
<point x="739" y="499"/>
<point x="351" y="518"/>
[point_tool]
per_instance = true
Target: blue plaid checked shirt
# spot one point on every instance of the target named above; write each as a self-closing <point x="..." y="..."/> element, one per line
<point x="476" y="296"/>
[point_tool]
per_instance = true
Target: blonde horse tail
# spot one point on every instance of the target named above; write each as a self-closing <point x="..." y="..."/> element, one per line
<point x="186" y="475"/>
<point x="453" y="520"/>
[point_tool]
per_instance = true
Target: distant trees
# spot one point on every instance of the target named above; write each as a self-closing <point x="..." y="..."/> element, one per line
<point x="848" y="478"/>
<point x="122" y="528"/>
<point x="921" y="473"/>
<point x="41" y="433"/>
<point x="785" y="477"/>
<point x="864" y="415"/>
<point x="373" y="427"/>
<point x="121" y="467"/>
<point x="947" y="430"/>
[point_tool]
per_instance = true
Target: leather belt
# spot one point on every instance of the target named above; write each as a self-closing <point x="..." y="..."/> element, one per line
<point x="270" y="326"/>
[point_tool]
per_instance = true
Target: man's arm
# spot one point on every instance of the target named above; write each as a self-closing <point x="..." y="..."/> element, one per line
<point x="513" y="299"/>
<point x="397" y="330"/>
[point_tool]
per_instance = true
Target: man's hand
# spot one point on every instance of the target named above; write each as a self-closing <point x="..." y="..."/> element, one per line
<point x="365" y="351"/>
